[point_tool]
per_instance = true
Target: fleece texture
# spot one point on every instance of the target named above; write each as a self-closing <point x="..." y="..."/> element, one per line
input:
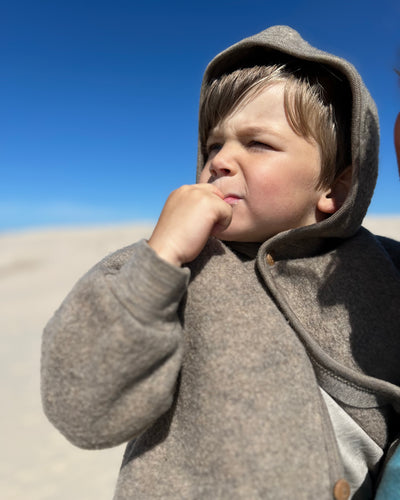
<point x="212" y="372"/>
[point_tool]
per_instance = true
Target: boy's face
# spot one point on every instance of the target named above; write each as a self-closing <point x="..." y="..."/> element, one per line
<point x="264" y="169"/>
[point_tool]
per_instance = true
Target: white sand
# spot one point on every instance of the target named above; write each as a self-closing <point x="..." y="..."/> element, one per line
<point x="37" y="269"/>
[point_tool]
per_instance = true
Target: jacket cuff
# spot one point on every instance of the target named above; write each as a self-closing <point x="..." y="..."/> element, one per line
<point x="150" y="287"/>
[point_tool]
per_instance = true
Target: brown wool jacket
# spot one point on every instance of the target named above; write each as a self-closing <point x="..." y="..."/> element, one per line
<point x="212" y="372"/>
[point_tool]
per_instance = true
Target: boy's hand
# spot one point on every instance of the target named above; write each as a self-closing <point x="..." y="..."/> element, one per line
<point x="190" y="216"/>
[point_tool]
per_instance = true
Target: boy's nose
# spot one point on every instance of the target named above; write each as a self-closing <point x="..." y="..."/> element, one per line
<point x="223" y="163"/>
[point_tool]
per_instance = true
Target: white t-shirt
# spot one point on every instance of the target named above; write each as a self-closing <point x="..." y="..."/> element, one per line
<point x="358" y="451"/>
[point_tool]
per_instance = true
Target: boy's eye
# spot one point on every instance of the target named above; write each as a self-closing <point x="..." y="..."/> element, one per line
<point x="259" y="145"/>
<point x="213" y="148"/>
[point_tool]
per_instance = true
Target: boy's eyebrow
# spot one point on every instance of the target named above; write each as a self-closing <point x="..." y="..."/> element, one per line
<point x="246" y="130"/>
<point x="257" y="129"/>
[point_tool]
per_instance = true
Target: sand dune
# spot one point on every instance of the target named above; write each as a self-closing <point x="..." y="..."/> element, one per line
<point x="37" y="269"/>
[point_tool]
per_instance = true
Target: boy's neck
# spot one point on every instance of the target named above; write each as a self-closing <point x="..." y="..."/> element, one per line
<point x="249" y="249"/>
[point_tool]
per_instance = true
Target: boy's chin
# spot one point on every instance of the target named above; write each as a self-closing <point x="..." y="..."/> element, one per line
<point x="242" y="234"/>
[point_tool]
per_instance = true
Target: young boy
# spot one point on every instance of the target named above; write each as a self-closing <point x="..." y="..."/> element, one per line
<point x="250" y="348"/>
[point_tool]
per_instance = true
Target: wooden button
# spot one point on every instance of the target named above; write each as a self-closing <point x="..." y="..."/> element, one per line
<point x="270" y="260"/>
<point x="341" y="490"/>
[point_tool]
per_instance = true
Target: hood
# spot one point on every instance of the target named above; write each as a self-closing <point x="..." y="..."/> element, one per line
<point x="281" y="44"/>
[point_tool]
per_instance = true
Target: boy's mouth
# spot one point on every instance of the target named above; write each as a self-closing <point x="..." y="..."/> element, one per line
<point x="232" y="199"/>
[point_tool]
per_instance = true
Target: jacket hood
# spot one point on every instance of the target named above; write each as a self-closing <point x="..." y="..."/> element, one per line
<point x="282" y="44"/>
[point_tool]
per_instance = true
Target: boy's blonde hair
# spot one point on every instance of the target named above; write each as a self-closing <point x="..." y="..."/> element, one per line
<point x="309" y="106"/>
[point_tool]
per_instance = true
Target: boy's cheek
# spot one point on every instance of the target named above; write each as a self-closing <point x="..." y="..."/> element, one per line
<point x="203" y="177"/>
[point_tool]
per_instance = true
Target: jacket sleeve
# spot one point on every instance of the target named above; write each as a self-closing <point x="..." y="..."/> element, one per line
<point x="112" y="352"/>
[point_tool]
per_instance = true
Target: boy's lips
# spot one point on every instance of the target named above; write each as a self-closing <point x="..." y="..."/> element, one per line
<point x="232" y="199"/>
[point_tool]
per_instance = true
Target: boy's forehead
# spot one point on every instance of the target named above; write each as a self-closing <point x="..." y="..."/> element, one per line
<point x="260" y="112"/>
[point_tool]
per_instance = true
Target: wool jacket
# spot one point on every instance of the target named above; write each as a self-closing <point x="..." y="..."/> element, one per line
<point x="212" y="372"/>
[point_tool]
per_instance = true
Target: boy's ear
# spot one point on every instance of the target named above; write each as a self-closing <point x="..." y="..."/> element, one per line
<point x="333" y="198"/>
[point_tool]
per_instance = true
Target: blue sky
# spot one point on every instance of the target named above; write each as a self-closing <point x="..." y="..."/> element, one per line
<point x="99" y="98"/>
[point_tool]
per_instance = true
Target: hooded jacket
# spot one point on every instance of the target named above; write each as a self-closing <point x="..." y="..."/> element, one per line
<point x="212" y="372"/>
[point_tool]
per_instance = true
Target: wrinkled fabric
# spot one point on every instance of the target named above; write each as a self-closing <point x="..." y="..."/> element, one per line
<point x="358" y="451"/>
